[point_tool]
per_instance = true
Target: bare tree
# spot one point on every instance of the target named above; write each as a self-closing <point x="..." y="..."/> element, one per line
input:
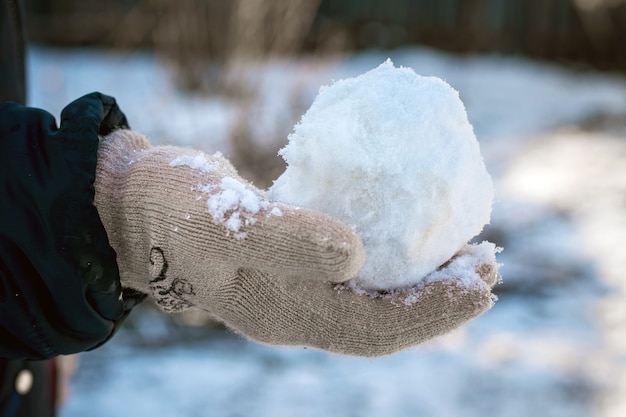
<point x="193" y="35"/>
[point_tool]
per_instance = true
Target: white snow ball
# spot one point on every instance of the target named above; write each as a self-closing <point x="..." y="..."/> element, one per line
<point x="392" y="154"/>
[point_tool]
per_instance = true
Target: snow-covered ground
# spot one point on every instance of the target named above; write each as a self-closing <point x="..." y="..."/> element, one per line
<point x="553" y="346"/>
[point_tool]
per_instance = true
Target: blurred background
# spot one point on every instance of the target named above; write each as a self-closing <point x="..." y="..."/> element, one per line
<point x="545" y="88"/>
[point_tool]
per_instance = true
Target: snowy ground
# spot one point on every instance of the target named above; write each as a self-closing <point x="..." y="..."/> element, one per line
<point x="553" y="346"/>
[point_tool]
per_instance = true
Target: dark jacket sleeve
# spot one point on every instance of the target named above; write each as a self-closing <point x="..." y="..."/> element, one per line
<point x="59" y="284"/>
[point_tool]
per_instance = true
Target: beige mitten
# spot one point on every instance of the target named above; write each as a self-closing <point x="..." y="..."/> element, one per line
<point x="192" y="234"/>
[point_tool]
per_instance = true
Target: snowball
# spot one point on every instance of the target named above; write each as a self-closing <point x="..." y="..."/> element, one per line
<point x="392" y="154"/>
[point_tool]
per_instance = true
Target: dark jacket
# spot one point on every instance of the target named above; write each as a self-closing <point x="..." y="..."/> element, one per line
<point x="59" y="284"/>
<point x="39" y="398"/>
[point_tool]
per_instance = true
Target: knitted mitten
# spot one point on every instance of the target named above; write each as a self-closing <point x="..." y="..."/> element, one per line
<point x="191" y="233"/>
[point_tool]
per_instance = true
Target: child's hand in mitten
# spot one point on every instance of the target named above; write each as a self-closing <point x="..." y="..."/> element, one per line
<point x="191" y="233"/>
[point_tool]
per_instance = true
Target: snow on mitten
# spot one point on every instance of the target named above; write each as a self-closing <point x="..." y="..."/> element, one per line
<point x="191" y="233"/>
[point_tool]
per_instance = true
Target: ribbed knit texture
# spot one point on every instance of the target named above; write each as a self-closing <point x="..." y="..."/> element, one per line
<point x="275" y="280"/>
